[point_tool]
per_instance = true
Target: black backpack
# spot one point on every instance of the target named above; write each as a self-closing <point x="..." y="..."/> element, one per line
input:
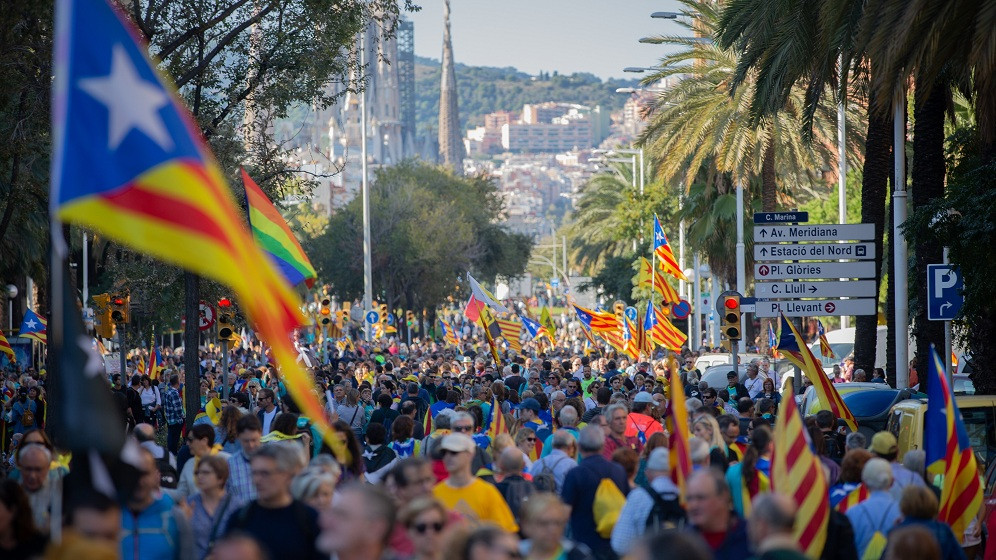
<point x="168" y="477"/>
<point x="667" y="512"/>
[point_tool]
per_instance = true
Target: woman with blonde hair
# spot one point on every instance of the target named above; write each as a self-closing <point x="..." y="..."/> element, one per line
<point x="544" y="520"/>
<point x="314" y="486"/>
<point x="426" y="520"/>
<point x="525" y="440"/>
<point x="707" y="428"/>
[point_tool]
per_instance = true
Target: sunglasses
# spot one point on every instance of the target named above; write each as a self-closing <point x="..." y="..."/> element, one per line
<point x="531" y="439"/>
<point x="463" y="428"/>
<point x="423" y="528"/>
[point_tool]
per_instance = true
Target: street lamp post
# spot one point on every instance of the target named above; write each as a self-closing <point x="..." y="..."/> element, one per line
<point x="841" y="167"/>
<point x="367" y="260"/>
<point x="901" y="254"/>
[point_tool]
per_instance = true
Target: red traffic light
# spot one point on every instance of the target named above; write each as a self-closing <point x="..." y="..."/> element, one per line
<point x="224" y="302"/>
<point x="118" y="301"/>
<point x="730" y="303"/>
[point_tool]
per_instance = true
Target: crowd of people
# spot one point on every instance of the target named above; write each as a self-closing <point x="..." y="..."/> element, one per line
<point x="562" y="456"/>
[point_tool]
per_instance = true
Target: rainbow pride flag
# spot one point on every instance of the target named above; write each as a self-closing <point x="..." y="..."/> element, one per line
<point x="272" y="234"/>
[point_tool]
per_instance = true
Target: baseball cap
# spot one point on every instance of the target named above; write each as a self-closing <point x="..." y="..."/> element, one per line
<point x="458" y="443"/>
<point x="530" y="403"/>
<point x="884" y="443"/>
<point x="643" y="397"/>
<point x="466" y="360"/>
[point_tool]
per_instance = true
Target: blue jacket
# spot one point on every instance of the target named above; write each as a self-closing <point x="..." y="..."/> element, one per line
<point x="735" y="545"/>
<point x="950" y="547"/>
<point x="160" y="532"/>
<point x="578" y="492"/>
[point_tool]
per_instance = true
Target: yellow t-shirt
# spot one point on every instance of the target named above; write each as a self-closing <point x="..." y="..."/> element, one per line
<point x="478" y="501"/>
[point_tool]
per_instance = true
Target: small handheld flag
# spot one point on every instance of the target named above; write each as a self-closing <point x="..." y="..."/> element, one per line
<point x="6" y="349"/>
<point x="680" y="453"/>
<point x="825" y="348"/>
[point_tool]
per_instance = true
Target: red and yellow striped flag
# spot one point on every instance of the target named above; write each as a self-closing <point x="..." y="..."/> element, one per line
<point x="511" y="331"/>
<point x="853" y="498"/>
<point x="665" y="333"/>
<point x="6" y="349"/>
<point x="798" y="474"/>
<point x="680" y="454"/>
<point x="648" y="277"/>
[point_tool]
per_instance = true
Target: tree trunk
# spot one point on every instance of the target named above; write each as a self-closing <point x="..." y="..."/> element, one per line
<point x="928" y="185"/>
<point x="191" y="343"/>
<point x="875" y="179"/>
<point x="769" y="180"/>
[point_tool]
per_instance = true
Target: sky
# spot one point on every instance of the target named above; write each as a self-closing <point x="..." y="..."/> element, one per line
<point x="596" y="36"/>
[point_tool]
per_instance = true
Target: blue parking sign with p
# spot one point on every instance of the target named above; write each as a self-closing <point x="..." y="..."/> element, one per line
<point x="944" y="292"/>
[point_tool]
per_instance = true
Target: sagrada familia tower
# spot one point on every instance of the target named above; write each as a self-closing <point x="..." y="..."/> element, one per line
<point x="450" y="137"/>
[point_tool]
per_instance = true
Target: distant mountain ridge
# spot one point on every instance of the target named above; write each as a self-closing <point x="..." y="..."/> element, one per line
<point x="486" y="89"/>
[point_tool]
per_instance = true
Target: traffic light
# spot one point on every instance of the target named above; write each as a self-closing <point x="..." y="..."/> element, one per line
<point x="731" y="328"/>
<point x="383" y="313"/>
<point x="410" y="317"/>
<point x="325" y="313"/>
<point x="226" y="320"/>
<point x="120" y="304"/>
<point x="102" y="322"/>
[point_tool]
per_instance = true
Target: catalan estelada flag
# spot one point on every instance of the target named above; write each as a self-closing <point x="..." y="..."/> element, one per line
<point x="790" y="344"/>
<point x="597" y="321"/>
<point x="662" y="249"/>
<point x="772" y="340"/>
<point x="449" y="335"/>
<point x="680" y="454"/>
<point x="631" y="339"/>
<point x="34" y="326"/>
<point x="129" y="162"/>
<point x="649" y="277"/>
<point x="6" y="349"/>
<point x="824" y="345"/>
<point x="535" y="329"/>
<point x="949" y="451"/>
<point x="798" y="474"/>
<point x="853" y="498"/>
<point x="272" y="234"/>
<point x="496" y="424"/>
<point x="664" y="332"/>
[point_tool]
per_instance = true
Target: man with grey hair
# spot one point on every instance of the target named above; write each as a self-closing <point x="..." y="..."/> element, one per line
<point x="39" y="481"/>
<point x="617" y="415"/>
<point x="581" y="483"/>
<point x="859" y="375"/>
<point x="568" y="418"/>
<point x="358" y="525"/>
<point x="659" y="507"/>
<point x="513" y="486"/>
<point x="855" y="440"/>
<point x="771" y="525"/>
<point x="284" y="526"/>
<point x="561" y="458"/>
<point x="880" y="511"/>
<point x="699" y="450"/>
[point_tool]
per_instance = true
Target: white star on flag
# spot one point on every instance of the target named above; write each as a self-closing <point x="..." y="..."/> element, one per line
<point x="131" y="102"/>
<point x="94" y="363"/>
<point x="31" y="324"/>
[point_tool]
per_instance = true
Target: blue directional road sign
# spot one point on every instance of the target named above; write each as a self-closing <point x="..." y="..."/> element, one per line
<point x="780" y="217"/>
<point x="373" y="317"/>
<point x="944" y="297"/>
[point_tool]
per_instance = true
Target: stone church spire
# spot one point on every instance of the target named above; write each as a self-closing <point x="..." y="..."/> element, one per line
<point x="450" y="137"/>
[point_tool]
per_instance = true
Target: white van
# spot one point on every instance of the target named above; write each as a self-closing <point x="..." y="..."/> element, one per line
<point x="842" y="343"/>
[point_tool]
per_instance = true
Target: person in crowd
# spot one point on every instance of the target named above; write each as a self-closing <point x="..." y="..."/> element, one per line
<point x="93" y="517"/>
<point x="151" y="400"/>
<point x="735" y="388"/>
<point x="855" y="440"/>
<point x="711" y="515"/>
<point x="567" y="418"/>
<point x="377" y="456"/>
<point x="201" y="442"/>
<point x="39" y="481"/>
<point x="562" y="458"/>
<point x="470" y="496"/>
<point x="754" y="383"/>
<point x="403" y="443"/>
<point x="284" y="526"/>
<point x="173" y="409"/>
<point x="752" y="475"/>
<point x="356" y="468"/>
<point x="912" y="543"/>
<point x="629" y="460"/>
<point x="268" y="410"/>
<point x="653" y="442"/>
<point x="525" y="441"/>
<point x="352" y="413"/>
<point x="602" y="397"/>
<point x="238" y="547"/>
<point x="226" y="433"/>
<point x="884" y="445"/>
<point x="315" y="487"/>
<point x="617" y="416"/>
<point x="880" y="511"/>
<point x="463" y="423"/>
<point x="661" y="499"/>
<point x="359" y="523"/>
<point x="211" y="507"/>
<point x="707" y="428"/>
<point x="484" y="542"/>
<point x="850" y="475"/>
<point x="582" y="482"/>
<point x="640" y="423"/>
<point x="425" y="520"/>
<point x="671" y="543"/>
<point x="833" y="440"/>
<point x="240" y="485"/>
<point x="768" y="391"/>
<point x="152" y="527"/>
<point x="771" y="526"/>
<point x="919" y="508"/>
<point x="19" y="538"/>
<point x="544" y="520"/>
<point x="513" y="485"/>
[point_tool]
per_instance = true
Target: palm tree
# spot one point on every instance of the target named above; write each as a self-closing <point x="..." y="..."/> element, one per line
<point x="792" y="44"/>
<point x="703" y="116"/>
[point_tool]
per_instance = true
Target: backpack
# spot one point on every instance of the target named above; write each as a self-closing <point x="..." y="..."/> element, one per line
<point x="27" y="417"/>
<point x="667" y="512"/>
<point x="545" y="480"/>
<point x="168" y="477"/>
<point x="609" y="501"/>
<point x="876" y="546"/>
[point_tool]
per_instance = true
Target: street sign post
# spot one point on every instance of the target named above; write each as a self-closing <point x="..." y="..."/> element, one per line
<point x="808" y="289"/>
<point x="944" y="297"/>
<point x="814" y="232"/>
<point x="814" y="270"/>
<point x="813" y="251"/>
<point x="815" y="307"/>
<point x="373" y="317"/>
<point x="681" y="310"/>
<point x="780" y="217"/>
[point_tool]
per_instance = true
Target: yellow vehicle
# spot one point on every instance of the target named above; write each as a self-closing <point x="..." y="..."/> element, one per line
<point x="977" y="411"/>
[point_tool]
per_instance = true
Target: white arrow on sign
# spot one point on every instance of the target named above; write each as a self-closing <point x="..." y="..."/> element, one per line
<point x="814" y="270"/>
<point x="814" y="232"/>
<point x="816" y="307"/>
<point x="828" y="289"/>
<point x="813" y="251"/>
